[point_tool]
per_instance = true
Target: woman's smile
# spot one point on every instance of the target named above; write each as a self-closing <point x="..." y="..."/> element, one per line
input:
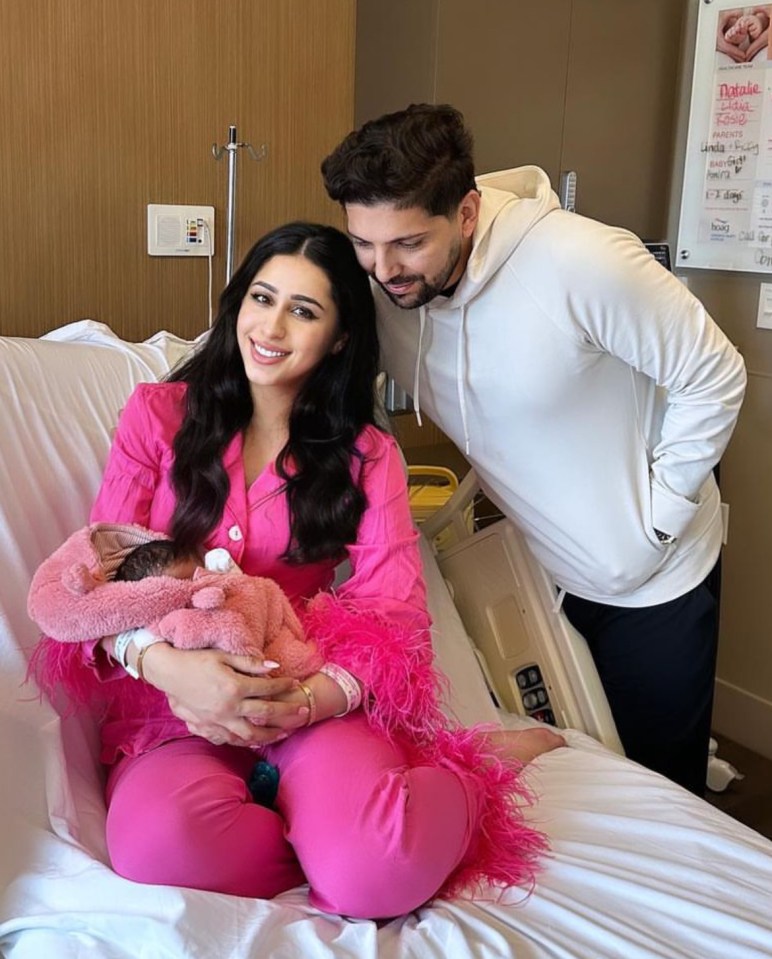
<point x="267" y="354"/>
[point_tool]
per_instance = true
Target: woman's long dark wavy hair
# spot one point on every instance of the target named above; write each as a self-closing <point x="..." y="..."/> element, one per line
<point x="333" y="405"/>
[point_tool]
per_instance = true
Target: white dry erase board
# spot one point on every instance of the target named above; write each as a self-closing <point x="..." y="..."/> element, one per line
<point x="726" y="204"/>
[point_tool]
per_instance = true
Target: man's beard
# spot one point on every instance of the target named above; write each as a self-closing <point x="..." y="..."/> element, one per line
<point x="427" y="290"/>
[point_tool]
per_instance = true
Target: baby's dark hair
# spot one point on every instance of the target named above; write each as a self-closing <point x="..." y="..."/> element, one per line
<point x="150" y="559"/>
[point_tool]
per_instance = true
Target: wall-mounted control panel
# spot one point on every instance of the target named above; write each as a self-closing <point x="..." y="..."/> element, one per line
<point x="764" y="315"/>
<point x="180" y="230"/>
<point x="567" y="190"/>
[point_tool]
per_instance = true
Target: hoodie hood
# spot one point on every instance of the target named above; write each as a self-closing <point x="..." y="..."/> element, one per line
<point x="513" y="201"/>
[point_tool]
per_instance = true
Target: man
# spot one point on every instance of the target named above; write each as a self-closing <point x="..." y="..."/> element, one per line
<point x="590" y="390"/>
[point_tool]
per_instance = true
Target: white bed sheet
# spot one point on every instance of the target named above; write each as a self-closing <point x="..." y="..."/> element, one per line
<point x="638" y="867"/>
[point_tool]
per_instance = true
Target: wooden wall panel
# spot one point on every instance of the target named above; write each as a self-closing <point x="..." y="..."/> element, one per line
<point x="107" y="106"/>
<point x="743" y="707"/>
<point x="745" y="655"/>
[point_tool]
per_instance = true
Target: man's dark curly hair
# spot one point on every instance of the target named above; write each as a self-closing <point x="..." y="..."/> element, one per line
<point x="418" y="157"/>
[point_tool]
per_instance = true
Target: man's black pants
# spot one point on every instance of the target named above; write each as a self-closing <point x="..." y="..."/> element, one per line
<point x="657" y="665"/>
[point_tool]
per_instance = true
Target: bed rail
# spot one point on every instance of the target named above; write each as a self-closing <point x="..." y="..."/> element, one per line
<point x="533" y="659"/>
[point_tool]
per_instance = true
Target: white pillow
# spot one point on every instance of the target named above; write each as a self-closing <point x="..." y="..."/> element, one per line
<point x="53" y="445"/>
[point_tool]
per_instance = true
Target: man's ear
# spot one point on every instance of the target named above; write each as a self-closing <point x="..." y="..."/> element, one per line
<point x="469" y="212"/>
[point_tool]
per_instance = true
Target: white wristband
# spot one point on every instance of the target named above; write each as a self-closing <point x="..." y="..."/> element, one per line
<point x="348" y="684"/>
<point x="141" y="638"/>
<point x="121" y="645"/>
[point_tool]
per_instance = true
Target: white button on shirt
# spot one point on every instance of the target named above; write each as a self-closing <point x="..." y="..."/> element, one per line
<point x="235" y="534"/>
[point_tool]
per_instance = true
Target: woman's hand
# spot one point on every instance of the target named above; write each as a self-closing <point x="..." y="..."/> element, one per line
<point x="225" y="698"/>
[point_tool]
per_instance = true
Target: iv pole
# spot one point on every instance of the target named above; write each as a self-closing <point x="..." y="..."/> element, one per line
<point x="232" y="147"/>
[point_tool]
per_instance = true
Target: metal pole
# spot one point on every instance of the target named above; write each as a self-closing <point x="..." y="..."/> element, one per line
<point x="232" y="148"/>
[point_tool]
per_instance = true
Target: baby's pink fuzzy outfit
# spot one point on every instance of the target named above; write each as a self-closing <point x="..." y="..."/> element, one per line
<point x="72" y="598"/>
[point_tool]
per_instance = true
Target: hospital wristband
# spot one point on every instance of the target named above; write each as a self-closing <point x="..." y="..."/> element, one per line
<point x="121" y="645"/>
<point x="348" y="684"/>
<point x="142" y="639"/>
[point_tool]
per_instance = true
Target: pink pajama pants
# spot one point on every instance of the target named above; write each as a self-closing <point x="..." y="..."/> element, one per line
<point x="372" y="836"/>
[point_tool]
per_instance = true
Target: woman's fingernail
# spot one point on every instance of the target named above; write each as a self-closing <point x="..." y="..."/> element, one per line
<point x="303" y="711"/>
<point x="270" y="664"/>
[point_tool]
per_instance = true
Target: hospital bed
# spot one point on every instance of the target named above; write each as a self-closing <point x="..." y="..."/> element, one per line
<point x="637" y="866"/>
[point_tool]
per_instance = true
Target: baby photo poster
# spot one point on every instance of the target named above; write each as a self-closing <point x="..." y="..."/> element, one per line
<point x="726" y="217"/>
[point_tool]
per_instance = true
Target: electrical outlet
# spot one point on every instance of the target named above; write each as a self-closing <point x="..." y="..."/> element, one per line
<point x="180" y="230"/>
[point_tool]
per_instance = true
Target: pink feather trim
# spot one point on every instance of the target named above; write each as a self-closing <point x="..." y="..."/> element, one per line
<point x="401" y="687"/>
<point x="105" y="692"/>
<point x="60" y="666"/>
<point x="504" y="850"/>
<point x="394" y="665"/>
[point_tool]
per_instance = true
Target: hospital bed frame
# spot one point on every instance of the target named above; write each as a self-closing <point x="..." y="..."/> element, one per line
<point x="534" y="661"/>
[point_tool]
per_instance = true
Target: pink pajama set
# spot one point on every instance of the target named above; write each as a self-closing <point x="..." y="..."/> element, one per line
<point x="379" y="810"/>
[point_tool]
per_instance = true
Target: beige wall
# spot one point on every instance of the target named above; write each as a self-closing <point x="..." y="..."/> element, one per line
<point x="585" y="85"/>
<point x="108" y="105"/>
<point x="744" y="690"/>
<point x="598" y="86"/>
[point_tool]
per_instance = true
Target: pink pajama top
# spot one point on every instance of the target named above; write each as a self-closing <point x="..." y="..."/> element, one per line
<point x="386" y="576"/>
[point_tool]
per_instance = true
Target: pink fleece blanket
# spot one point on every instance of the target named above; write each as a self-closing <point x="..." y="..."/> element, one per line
<point x="72" y="598"/>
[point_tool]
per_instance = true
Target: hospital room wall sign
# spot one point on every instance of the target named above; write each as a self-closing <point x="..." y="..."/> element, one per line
<point x="726" y="205"/>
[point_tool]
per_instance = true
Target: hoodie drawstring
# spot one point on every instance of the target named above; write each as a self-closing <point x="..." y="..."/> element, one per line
<point x="461" y="377"/>
<point x="417" y="370"/>
<point x="460" y="372"/>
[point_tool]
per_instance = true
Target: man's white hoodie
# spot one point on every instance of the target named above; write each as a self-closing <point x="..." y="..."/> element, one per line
<point x="591" y="392"/>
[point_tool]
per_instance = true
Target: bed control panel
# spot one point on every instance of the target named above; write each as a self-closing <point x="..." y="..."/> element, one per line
<point x="533" y="694"/>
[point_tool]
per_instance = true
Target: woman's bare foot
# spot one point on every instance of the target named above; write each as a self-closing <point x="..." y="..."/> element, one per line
<point x="525" y="744"/>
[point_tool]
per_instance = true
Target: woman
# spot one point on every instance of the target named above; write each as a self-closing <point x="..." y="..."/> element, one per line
<point x="264" y="443"/>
